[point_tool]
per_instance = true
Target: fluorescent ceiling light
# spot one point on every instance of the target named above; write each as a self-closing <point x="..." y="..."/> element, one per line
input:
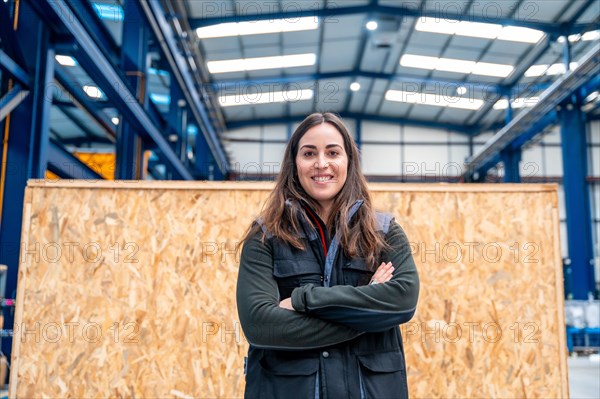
<point x="433" y="99"/>
<point x="478" y="29"/>
<point x="110" y="12"/>
<point x="372" y="25"/>
<point x="454" y="65"/>
<point x="115" y="120"/>
<point x="355" y="86"/>
<point x="265" y="98"/>
<point x="65" y="60"/>
<point x="93" y="91"/>
<point x="257" y="27"/>
<point x="517" y="102"/>
<point x="255" y="64"/>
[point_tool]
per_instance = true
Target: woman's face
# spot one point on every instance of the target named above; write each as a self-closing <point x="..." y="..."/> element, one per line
<point x="322" y="163"/>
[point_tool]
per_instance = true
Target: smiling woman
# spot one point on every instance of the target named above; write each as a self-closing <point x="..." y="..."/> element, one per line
<point x="321" y="318"/>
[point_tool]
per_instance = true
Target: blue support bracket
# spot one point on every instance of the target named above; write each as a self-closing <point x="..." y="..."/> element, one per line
<point x="9" y="65"/>
<point x="577" y="200"/>
<point x="11" y="100"/>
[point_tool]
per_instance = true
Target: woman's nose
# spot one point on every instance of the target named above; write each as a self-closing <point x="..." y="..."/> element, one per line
<point x="321" y="163"/>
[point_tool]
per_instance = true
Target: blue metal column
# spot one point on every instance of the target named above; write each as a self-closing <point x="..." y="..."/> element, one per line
<point x="579" y="221"/>
<point x="26" y="133"/>
<point x="176" y="111"/>
<point x="510" y="159"/>
<point x="134" y="51"/>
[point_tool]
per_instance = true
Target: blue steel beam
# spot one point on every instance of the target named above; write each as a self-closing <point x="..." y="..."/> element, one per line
<point x="134" y="51"/>
<point x="353" y="115"/>
<point x="104" y="74"/>
<point x="66" y="165"/>
<point x="84" y="11"/>
<point x="9" y="65"/>
<point x="92" y="137"/>
<point x="577" y="202"/>
<point x="549" y="99"/>
<point x="27" y="146"/>
<point x="162" y="29"/>
<point x="11" y="100"/>
<point x="9" y="38"/>
<point x="486" y="88"/>
<point x="212" y="11"/>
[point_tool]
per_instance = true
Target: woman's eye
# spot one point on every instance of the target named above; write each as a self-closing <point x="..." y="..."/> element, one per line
<point x="308" y="154"/>
<point x="334" y="153"/>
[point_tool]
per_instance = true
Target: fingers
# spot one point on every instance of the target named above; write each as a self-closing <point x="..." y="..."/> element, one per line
<point x="383" y="273"/>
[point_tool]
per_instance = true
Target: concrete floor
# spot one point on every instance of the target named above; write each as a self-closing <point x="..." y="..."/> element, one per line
<point x="584" y="377"/>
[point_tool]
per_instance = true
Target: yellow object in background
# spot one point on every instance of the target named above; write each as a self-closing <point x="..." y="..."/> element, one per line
<point x="102" y="163"/>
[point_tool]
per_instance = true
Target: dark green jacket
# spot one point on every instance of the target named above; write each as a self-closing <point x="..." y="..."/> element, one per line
<point x="343" y="340"/>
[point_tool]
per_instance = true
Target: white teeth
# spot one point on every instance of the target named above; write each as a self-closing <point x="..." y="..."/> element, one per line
<point x="321" y="178"/>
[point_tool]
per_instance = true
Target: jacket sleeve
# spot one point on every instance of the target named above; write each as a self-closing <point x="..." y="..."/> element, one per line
<point x="264" y="323"/>
<point x="368" y="308"/>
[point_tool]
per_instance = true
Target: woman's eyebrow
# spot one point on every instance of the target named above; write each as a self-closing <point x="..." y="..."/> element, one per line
<point x="315" y="147"/>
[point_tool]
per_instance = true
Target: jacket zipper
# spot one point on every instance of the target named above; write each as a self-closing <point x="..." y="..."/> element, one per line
<point x="363" y="394"/>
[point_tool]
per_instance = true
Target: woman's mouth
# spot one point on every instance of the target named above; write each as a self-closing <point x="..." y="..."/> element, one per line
<point x="322" y="178"/>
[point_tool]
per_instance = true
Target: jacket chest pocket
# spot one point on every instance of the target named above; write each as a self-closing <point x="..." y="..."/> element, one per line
<point x="293" y="273"/>
<point x="357" y="272"/>
<point x="289" y="377"/>
<point x="382" y="375"/>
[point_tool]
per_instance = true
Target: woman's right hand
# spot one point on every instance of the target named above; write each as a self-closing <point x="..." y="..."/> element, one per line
<point x="383" y="273"/>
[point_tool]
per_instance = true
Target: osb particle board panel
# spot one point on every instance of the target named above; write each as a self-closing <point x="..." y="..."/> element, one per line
<point x="126" y="289"/>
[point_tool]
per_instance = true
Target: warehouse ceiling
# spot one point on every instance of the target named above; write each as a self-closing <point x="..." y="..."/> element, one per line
<point x="447" y="64"/>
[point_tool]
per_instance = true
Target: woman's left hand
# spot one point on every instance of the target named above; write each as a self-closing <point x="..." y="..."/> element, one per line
<point x="286" y="304"/>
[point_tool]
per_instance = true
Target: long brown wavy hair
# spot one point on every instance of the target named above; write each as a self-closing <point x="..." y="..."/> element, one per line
<point x="357" y="239"/>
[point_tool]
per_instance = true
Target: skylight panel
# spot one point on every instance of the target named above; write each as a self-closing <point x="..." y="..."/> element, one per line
<point x="260" y="63"/>
<point x="434" y="100"/>
<point x="550" y="70"/>
<point x="490" y="69"/>
<point x="520" y="102"/>
<point x="591" y="35"/>
<point x="478" y="29"/>
<point x="419" y="61"/>
<point x="265" y="98"/>
<point x="520" y="34"/>
<point x="455" y="65"/>
<point x="257" y="27"/>
<point x="536" y="70"/>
